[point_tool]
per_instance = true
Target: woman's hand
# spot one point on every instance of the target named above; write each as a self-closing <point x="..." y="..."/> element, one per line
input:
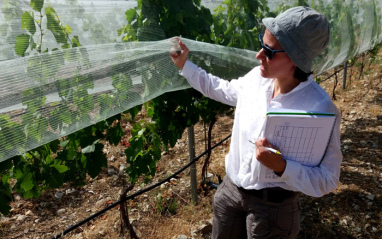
<point x="179" y="58"/>
<point x="270" y="160"/>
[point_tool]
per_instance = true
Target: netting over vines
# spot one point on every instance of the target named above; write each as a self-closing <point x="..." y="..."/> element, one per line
<point x="67" y="64"/>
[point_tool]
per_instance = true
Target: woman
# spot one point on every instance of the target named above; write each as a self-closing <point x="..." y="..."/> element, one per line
<point x="243" y="206"/>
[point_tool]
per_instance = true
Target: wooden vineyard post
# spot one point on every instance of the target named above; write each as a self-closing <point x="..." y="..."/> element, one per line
<point x="191" y="149"/>
<point x="345" y="71"/>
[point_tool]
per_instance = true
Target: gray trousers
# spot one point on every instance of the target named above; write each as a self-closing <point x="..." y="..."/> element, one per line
<point x="240" y="215"/>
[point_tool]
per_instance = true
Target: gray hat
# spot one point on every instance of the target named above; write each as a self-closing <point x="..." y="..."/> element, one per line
<point x="302" y="32"/>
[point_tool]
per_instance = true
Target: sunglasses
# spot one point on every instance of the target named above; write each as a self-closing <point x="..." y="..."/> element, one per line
<point x="268" y="51"/>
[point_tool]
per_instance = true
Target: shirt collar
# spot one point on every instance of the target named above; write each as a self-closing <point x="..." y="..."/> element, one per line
<point x="300" y="86"/>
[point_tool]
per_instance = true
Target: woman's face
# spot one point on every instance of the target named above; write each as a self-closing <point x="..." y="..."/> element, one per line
<point x="281" y="66"/>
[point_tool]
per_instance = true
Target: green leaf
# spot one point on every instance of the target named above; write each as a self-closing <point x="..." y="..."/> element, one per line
<point x="48" y="160"/>
<point x="27" y="22"/>
<point x="75" y="42"/>
<point x="22" y="44"/>
<point x="120" y="31"/>
<point x="37" y="5"/>
<point x="95" y="161"/>
<point x="30" y="194"/>
<point x="89" y="148"/>
<point x="5" y="165"/>
<point x="68" y="29"/>
<point x="54" y="25"/>
<point x="49" y="10"/>
<point x="141" y="132"/>
<point x="54" y="145"/>
<point x="55" y="180"/>
<point x="115" y="134"/>
<point x="126" y="38"/>
<point x="64" y="143"/>
<point x="60" y="168"/>
<point x="150" y="110"/>
<point x="27" y="182"/>
<point x="131" y="15"/>
<point x="65" y="46"/>
<point x="136" y="128"/>
<point x="4" y="119"/>
<point x="136" y="144"/>
<point x="35" y="154"/>
<point x="139" y="4"/>
<point x="5" y="195"/>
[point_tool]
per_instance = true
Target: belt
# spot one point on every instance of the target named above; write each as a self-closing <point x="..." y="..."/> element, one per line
<point x="274" y="195"/>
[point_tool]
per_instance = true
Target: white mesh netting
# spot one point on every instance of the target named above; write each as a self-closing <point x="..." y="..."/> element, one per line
<point x="67" y="64"/>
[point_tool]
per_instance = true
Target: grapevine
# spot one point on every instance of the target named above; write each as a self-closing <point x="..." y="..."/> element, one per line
<point x="72" y="157"/>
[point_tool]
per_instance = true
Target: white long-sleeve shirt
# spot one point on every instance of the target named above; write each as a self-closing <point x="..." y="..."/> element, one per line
<point x="252" y="96"/>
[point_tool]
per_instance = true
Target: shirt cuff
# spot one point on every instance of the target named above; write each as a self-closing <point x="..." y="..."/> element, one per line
<point x="291" y="170"/>
<point x="188" y="69"/>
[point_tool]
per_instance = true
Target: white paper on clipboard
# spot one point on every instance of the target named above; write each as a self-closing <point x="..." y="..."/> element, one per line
<point x="300" y="136"/>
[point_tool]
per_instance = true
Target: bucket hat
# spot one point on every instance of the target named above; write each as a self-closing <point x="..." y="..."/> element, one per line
<point x="302" y="32"/>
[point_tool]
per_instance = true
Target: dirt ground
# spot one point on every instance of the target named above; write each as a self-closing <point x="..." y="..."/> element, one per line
<point x="353" y="210"/>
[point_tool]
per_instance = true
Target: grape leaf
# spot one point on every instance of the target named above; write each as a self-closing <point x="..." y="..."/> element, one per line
<point x="131" y="15"/>
<point x="75" y="42"/>
<point x="37" y="5"/>
<point x="68" y="29"/>
<point x="89" y="148"/>
<point x="22" y="44"/>
<point x="27" y="182"/>
<point x="95" y="161"/>
<point x="59" y="167"/>
<point x="115" y="134"/>
<point x="27" y="22"/>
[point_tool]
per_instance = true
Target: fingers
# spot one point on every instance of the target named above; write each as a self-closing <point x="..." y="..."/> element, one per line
<point x="178" y="46"/>
<point x="182" y="45"/>
<point x="270" y="160"/>
<point x="179" y="54"/>
<point x="263" y="143"/>
<point x="183" y="48"/>
<point x="266" y="143"/>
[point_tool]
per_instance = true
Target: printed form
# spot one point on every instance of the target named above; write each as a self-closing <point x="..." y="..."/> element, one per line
<point x="299" y="135"/>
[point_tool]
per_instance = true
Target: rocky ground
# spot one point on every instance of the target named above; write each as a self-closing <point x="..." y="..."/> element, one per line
<point x="354" y="210"/>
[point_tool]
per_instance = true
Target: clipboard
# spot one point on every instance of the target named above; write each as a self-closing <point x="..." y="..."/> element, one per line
<point x="301" y="136"/>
